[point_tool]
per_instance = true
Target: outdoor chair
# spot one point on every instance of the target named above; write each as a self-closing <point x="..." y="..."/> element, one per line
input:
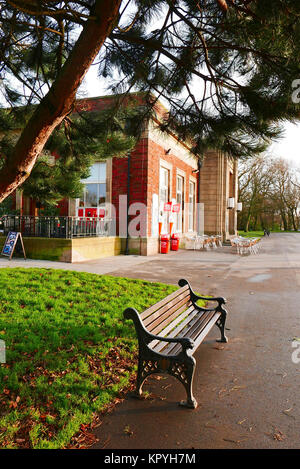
<point x="206" y="242"/>
<point x="245" y="245"/>
<point x="219" y="241"/>
<point x="190" y="242"/>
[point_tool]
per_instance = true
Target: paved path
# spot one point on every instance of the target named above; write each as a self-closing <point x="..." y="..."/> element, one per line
<point x="248" y="389"/>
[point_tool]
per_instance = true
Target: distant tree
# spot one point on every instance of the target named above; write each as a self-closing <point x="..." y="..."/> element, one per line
<point x="254" y="185"/>
<point x="270" y="194"/>
<point x="285" y="194"/>
<point x="225" y="66"/>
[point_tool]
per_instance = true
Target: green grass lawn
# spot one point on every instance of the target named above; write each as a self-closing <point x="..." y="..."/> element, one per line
<point x="251" y="234"/>
<point x="69" y="351"/>
<point x="260" y="234"/>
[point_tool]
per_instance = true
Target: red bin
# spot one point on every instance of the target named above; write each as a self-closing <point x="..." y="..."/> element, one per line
<point x="164" y="244"/>
<point x="175" y="242"/>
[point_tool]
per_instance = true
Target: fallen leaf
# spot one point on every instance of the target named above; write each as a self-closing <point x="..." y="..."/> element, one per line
<point x="219" y="347"/>
<point x="242" y="421"/>
<point x="278" y="435"/>
<point x="127" y="431"/>
<point x="237" y="388"/>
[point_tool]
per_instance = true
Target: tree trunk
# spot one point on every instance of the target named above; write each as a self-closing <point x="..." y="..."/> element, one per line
<point x="58" y="102"/>
<point x="284" y="220"/>
<point x="247" y="223"/>
<point x="295" y="228"/>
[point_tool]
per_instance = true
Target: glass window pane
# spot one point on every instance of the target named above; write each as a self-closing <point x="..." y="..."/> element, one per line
<point x="97" y="173"/>
<point x="163" y="195"/>
<point x="81" y="200"/>
<point x="102" y="193"/>
<point x="179" y="200"/>
<point x="164" y="190"/>
<point x="102" y="172"/>
<point x="93" y="173"/>
<point x="91" y="195"/>
<point x="191" y="206"/>
<point x="179" y="184"/>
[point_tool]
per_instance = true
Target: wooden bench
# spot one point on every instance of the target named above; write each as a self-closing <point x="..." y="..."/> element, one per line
<point x="170" y="332"/>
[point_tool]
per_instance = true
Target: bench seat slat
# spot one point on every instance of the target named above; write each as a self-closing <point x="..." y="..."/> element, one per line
<point x="199" y="326"/>
<point x="191" y="331"/>
<point x="169" y="331"/>
<point x="182" y="330"/>
<point x="205" y="331"/>
<point x="165" y="301"/>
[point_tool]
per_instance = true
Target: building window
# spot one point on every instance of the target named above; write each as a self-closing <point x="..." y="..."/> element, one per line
<point x="164" y="196"/>
<point x="94" y="193"/>
<point x="179" y="200"/>
<point x="192" y="203"/>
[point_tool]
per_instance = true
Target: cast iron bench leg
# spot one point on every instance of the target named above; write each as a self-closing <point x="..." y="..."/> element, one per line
<point x="183" y="370"/>
<point x="221" y="325"/>
<point x="140" y="377"/>
<point x="187" y="380"/>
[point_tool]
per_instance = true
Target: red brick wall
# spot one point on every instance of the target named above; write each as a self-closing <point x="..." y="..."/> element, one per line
<point x="138" y="177"/>
<point x="144" y="177"/>
<point x="155" y="153"/>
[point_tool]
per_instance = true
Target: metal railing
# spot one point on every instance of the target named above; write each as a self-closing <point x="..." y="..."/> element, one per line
<point x="58" y="227"/>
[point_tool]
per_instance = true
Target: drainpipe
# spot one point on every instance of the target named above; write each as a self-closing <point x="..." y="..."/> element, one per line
<point x="199" y="184"/>
<point x="127" y="214"/>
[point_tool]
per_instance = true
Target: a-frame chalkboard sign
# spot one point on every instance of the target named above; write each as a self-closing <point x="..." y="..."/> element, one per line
<point x="11" y="242"/>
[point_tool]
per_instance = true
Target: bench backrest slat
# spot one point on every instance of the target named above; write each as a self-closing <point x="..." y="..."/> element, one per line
<point x="163" y="304"/>
<point x="168" y="316"/>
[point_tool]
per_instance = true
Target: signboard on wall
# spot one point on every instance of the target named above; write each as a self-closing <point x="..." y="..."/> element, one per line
<point x="11" y="242"/>
<point x="176" y="208"/>
<point x="168" y="206"/>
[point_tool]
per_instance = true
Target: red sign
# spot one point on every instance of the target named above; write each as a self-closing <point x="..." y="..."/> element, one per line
<point x="90" y="212"/>
<point x="176" y="208"/>
<point x="167" y="206"/>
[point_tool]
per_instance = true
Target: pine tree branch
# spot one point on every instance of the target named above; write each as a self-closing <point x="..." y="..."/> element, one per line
<point x="36" y="11"/>
<point x="59" y="100"/>
<point x="156" y="46"/>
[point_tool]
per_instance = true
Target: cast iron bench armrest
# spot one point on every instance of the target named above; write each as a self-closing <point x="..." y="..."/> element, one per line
<point x="131" y="313"/>
<point x="220" y="299"/>
<point x="194" y="297"/>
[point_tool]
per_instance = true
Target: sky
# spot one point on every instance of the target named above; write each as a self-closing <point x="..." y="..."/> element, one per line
<point x="289" y="146"/>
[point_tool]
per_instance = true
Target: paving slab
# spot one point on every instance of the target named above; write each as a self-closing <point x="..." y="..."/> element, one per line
<point x="98" y="266"/>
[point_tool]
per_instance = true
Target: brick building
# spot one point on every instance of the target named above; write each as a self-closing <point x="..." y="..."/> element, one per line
<point x="161" y="169"/>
